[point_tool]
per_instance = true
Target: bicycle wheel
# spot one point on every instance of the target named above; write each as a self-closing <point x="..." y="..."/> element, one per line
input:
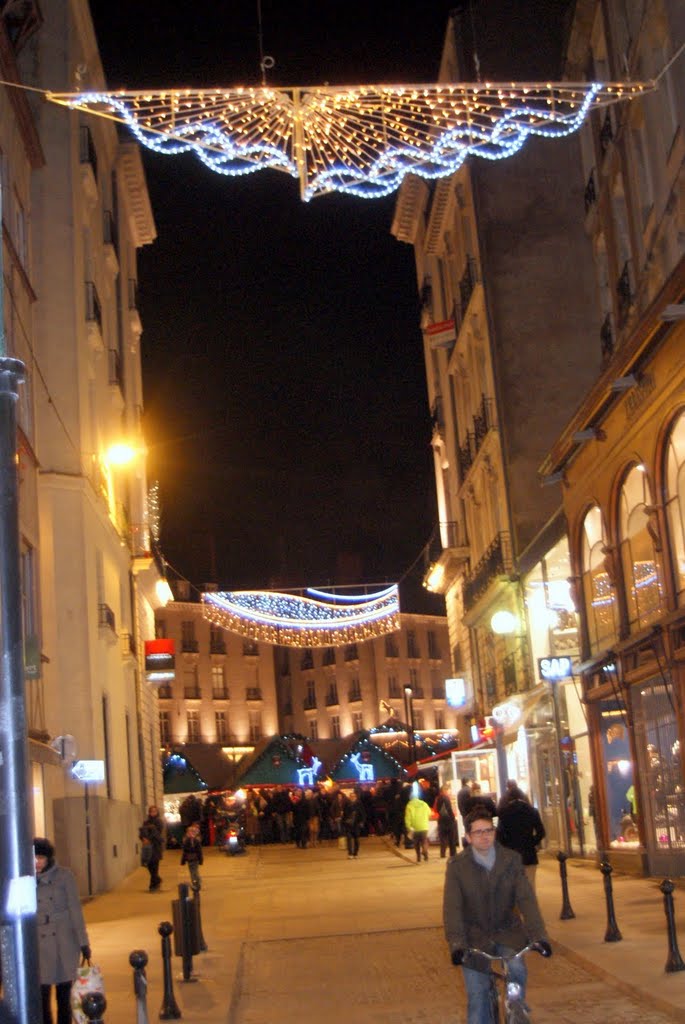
<point x="516" y="1013"/>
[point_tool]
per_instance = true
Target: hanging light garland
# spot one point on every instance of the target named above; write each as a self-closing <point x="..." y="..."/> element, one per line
<point x="294" y="620"/>
<point x="360" y="140"/>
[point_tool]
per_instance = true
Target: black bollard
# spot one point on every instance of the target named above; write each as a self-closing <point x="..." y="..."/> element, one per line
<point x="138" y="961"/>
<point x="189" y="945"/>
<point x="674" y="961"/>
<point x="566" y="908"/>
<point x="612" y="933"/>
<point x="169" y="1010"/>
<point x="94" y="1005"/>
<point x="198" y="910"/>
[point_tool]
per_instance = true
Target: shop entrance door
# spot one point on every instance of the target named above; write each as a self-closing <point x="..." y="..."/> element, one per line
<point x="662" y="800"/>
<point x="545" y="764"/>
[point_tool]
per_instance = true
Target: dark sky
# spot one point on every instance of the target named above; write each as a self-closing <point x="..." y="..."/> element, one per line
<point x="285" y="394"/>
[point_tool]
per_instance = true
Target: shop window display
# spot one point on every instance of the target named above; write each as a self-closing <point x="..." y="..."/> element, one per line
<point x="658" y="747"/>
<point x="618" y="764"/>
<point x="675" y="500"/>
<point x="641" y="573"/>
<point x="599" y="582"/>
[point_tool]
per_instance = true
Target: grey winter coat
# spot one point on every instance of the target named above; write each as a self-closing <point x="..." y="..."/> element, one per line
<point x="61" y="928"/>
<point x="482" y="907"/>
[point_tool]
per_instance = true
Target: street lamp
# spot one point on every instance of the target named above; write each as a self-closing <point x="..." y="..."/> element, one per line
<point x="409" y="715"/>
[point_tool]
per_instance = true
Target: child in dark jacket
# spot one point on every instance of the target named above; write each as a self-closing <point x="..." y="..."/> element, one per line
<point x="192" y="854"/>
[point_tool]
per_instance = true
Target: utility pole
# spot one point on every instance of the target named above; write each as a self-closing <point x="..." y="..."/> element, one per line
<point x="18" y="934"/>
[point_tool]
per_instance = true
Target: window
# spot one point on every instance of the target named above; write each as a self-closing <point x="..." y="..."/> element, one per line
<point x="439" y="718"/>
<point x="191" y="689"/>
<point x="188" y="641"/>
<point x="414" y="679"/>
<point x="250" y="649"/>
<point x="129" y="758"/>
<point x="675" y="501"/>
<point x="164" y="728"/>
<point x="221" y="726"/>
<point x="314" y="729"/>
<point x="433" y="646"/>
<point x="311" y="693"/>
<point x="219" y="691"/>
<point x="393" y="687"/>
<point x="217" y="642"/>
<point x="412" y="646"/>
<point x="335" y="726"/>
<point x="193" y="726"/>
<point x="164" y="692"/>
<point x="638" y="554"/>
<point x="329" y="656"/>
<point x="355" y="689"/>
<point x="255" y="719"/>
<point x="418" y="718"/>
<point x="357" y="721"/>
<point x="160" y="629"/>
<point x="599" y="582"/>
<point x="391" y="647"/>
<point x="105" y="737"/>
<point x="351" y="653"/>
<point x="307" y="659"/>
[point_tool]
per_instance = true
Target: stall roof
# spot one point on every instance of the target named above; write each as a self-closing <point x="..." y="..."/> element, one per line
<point x="180" y="776"/>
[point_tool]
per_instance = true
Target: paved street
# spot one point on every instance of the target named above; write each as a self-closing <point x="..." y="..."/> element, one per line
<point x="308" y="935"/>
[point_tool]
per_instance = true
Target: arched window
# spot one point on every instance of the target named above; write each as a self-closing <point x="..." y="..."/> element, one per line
<point x="599" y="583"/>
<point x="675" y="502"/>
<point x="638" y="553"/>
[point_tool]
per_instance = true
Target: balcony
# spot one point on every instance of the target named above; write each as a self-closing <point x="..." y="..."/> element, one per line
<point x="220" y="693"/>
<point x="164" y="692"/>
<point x="606" y="338"/>
<point x="606" y="134"/>
<point x="467" y="285"/>
<point x="483" y="421"/>
<point x="191" y="693"/>
<point x="189" y="645"/>
<point x="115" y="376"/>
<point x="329" y="656"/>
<point x="106" y="618"/>
<point x="110" y="240"/>
<point x="495" y="563"/>
<point x="250" y="649"/>
<point x="217" y="646"/>
<point x="128" y="645"/>
<point x="307" y="660"/>
<point x="353" y="696"/>
<point x="516" y="670"/>
<point x="351" y="653"/>
<point x="88" y="161"/>
<point x="332" y="699"/>
<point x="590" y="194"/>
<point x="465" y="455"/>
<point x="309" y="703"/>
<point x="94" y="317"/>
<point x="133" y="314"/>
<point x="624" y="294"/>
<point x="448" y="550"/>
<point x="253" y="693"/>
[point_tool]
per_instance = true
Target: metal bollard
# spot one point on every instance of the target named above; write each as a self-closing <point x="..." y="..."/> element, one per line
<point x="674" y="961"/>
<point x="169" y="1010"/>
<point x="198" y="904"/>
<point x="187" y="932"/>
<point x="566" y="908"/>
<point x="94" y="1005"/>
<point x="612" y="933"/>
<point x="138" y="961"/>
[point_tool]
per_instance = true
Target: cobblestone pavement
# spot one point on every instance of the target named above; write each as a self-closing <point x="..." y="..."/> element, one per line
<point x="391" y="977"/>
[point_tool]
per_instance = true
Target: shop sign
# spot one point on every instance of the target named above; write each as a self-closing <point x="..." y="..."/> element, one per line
<point x="553" y="669"/>
<point x="159" y="660"/>
<point x="455" y="692"/>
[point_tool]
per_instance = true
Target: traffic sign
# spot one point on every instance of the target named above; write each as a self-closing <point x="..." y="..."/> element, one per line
<point x="88" y="771"/>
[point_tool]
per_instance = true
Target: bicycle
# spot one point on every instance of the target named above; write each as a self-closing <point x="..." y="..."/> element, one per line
<point x="508" y="1006"/>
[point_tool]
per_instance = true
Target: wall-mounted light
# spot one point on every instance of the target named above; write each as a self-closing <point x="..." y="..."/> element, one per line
<point x="504" y="623"/>
<point x="591" y="434"/>
<point x="676" y="311"/>
<point x="553" y="478"/>
<point x="120" y="454"/>
<point x="624" y="383"/>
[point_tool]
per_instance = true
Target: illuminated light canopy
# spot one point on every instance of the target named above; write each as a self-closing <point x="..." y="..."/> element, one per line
<point x="360" y="140"/>
<point x="295" y="620"/>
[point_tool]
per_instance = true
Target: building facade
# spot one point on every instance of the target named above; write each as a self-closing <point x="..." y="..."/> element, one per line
<point x="230" y="692"/>
<point x="622" y="456"/>
<point x="75" y="212"/>
<point x="510" y="347"/>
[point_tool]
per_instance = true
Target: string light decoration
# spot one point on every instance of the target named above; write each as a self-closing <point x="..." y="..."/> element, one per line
<point x="294" y="620"/>
<point x="360" y="140"/>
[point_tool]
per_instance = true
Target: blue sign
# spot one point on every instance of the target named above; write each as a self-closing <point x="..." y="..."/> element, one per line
<point x="553" y="669"/>
<point x="455" y="692"/>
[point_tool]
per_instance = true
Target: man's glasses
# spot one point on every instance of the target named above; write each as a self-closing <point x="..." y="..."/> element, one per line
<point x="481" y="832"/>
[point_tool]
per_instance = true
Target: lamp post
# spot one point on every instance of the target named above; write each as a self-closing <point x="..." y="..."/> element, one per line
<point x="409" y="715"/>
<point x="18" y="935"/>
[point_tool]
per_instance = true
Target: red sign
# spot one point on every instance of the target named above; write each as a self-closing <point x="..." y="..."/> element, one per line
<point x="441" y="334"/>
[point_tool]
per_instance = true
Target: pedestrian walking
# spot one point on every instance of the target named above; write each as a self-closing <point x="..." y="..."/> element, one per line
<point x="62" y="935"/>
<point x="520" y="828"/>
<point x="192" y="855"/>
<point x="151" y="835"/>
<point x="353" y="821"/>
<point x="416" y="817"/>
<point x="447" y="822"/>
<point x="488" y="904"/>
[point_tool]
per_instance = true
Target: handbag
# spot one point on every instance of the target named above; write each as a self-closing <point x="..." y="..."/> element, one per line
<point x="146" y="854"/>
<point x="88" y="979"/>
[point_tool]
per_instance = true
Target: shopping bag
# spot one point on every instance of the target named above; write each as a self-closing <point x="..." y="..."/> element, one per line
<point x="342" y="843"/>
<point x="146" y="854"/>
<point x="88" y="979"/>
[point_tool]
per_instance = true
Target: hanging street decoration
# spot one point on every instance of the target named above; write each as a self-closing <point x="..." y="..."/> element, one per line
<point x="313" y="619"/>
<point x="360" y="140"/>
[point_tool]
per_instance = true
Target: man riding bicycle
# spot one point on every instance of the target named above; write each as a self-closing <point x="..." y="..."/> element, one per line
<point x="489" y="905"/>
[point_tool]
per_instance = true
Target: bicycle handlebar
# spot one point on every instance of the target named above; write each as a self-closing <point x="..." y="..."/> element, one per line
<point x="531" y="947"/>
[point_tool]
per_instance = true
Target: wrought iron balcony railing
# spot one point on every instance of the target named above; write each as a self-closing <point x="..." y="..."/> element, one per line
<point x="495" y="562"/>
<point x="590" y="195"/>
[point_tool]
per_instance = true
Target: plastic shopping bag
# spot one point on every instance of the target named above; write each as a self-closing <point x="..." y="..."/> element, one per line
<point x="88" y="979"/>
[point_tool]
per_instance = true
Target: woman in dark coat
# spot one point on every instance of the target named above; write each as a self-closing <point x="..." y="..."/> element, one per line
<point x="62" y="935"/>
<point x="353" y="820"/>
<point x="151" y="834"/>
<point x="519" y="826"/>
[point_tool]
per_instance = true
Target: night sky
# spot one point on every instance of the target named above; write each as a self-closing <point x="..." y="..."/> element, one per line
<point x="285" y="396"/>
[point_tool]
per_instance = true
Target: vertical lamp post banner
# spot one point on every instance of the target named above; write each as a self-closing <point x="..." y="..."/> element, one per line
<point x="18" y="934"/>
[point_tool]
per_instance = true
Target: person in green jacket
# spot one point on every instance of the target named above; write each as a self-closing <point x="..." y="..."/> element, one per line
<point x="416" y="817"/>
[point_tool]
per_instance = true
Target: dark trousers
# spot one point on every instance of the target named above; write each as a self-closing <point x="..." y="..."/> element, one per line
<point x="352" y="844"/>
<point x="448" y="838"/>
<point x="63" y="992"/>
<point x="153" y="868"/>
